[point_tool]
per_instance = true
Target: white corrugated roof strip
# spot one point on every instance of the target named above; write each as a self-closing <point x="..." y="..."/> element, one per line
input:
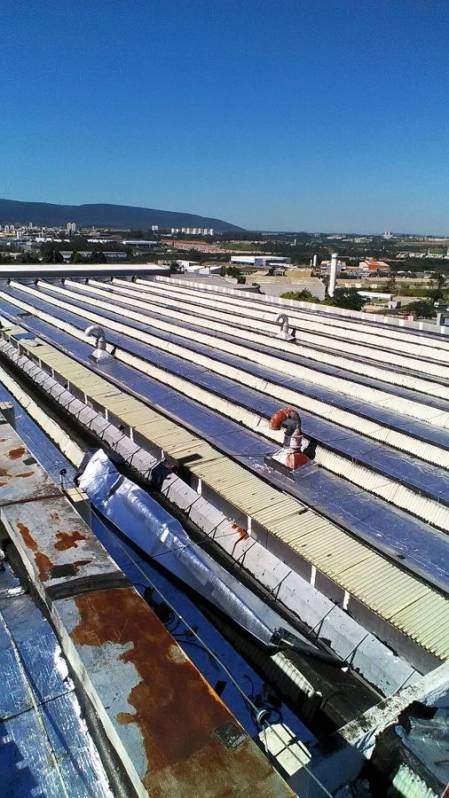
<point x="187" y="315"/>
<point x="264" y="318"/>
<point x="416" y="409"/>
<point x="369" y="330"/>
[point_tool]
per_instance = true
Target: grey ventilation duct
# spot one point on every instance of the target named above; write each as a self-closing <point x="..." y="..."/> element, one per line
<point x="286" y="332"/>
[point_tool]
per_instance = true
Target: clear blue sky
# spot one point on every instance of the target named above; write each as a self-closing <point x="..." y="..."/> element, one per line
<point x="273" y="114"/>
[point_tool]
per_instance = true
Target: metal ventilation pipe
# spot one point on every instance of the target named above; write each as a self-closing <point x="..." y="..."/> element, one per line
<point x="333" y="274"/>
<point x="286" y="332"/>
<point x="290" y="455"/>
<point x="100" y="352"/>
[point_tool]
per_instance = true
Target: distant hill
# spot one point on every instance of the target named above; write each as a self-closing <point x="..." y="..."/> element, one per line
<point x="119" y="216"/>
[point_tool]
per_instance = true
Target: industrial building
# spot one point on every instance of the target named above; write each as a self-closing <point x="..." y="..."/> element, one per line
<point x="374" y="266"/>
<point x="269" y="487"/>
<point x="262" y="261"/>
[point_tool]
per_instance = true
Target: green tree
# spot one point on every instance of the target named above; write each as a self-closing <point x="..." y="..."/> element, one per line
<point x="423" y="309"/>
<point x="29" y="258"/>
<point x="300" y="296"/>
<point x="346" y="298"/>
<point x="97" y="257"/>
<point x="53" y="256"/>
<point x="233" y="271"/>
<point x="439" y="279"/>
<point x="391" y="285"/>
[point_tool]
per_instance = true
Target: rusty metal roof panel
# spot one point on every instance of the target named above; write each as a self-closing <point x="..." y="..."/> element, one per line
<point x="61" y="547"/>
<point x="56" y="543"/>
<point x="182" y="738"/>
<point x="21" y="477"/>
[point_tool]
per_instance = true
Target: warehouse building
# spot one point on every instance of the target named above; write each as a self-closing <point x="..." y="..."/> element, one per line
<point x="260" y="261"/>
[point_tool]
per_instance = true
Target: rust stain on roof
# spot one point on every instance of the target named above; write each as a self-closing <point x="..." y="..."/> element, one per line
<point x="14" y="454"/>
<point x="177" y="712"/>
<point x="68" y="540"/>
<point x="44" y="564"/>
<point x="21" y="475"/>
<point x="241" y="532"/>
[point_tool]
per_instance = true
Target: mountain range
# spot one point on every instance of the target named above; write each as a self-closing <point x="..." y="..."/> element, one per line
<point x="103" y="215"/>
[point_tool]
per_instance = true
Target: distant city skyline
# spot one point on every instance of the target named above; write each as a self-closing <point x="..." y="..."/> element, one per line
<point x="318" y="116"/>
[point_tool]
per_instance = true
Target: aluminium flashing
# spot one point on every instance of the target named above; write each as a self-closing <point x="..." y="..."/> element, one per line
<point x="378" y="468"/>
<point x="327" y="374"/>
<point x="420" y="416"/>
<point x="160" y="535"/>
<point x="158" y="331"/>
<point x="356" y="349"/>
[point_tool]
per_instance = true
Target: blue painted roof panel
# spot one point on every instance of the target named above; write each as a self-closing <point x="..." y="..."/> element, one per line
<point x="421" y="548"/>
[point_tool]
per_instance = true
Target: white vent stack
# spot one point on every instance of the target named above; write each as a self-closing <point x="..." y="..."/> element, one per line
<point x="333" y="274"/>
<point x="315" y="261"/>
<point x="100" y="353"/>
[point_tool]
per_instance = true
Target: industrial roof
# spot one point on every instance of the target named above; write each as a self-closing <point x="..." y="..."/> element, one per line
<point x="171" y="733"/>
<point x="197" y="372"/>
<point x="59" y="270"/>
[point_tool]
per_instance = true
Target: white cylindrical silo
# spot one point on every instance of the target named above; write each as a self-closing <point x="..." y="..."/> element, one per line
<point x="333" y="274"/>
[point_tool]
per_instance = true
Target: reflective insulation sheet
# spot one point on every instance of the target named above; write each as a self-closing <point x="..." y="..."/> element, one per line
<point x="164" y="539"/>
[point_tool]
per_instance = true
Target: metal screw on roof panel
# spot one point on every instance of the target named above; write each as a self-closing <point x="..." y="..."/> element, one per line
<point x="286" y="332"/>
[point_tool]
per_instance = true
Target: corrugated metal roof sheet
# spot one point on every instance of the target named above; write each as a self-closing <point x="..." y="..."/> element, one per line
<point x="213" y="312"/>
<point x="395" y="595"/>
<point x="188" y="316"/>
<point x="334" y="327"/>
